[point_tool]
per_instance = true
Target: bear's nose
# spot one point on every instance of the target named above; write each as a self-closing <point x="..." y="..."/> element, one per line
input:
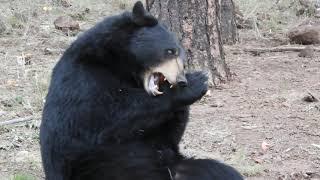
<point x="182" y="80"/>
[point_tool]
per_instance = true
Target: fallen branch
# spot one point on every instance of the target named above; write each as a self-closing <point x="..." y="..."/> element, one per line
<point x="316" y="145"/>
<point x="17" y="120"/>
<point x="277" y="49"/>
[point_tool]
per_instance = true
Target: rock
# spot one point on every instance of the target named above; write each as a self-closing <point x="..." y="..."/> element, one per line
<point x="309" y="98"/>
<point x="47" y="51"/>
<point x="305" y="34"/>
<point x="307" y="52"/>
<point x="3" y="27"/>
<point x="317" y="13"/>
<point x="66" y="23"/>
<point x="47" y="9"/>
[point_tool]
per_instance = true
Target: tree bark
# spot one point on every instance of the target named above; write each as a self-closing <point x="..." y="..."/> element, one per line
<point x="229" y="32"/>
<point x="197" y="24"/>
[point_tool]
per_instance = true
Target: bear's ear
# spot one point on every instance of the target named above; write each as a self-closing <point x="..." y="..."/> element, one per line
<point x="141" y="17"/>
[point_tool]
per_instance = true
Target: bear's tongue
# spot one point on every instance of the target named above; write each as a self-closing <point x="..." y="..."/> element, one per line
<point x="161" y="78"/>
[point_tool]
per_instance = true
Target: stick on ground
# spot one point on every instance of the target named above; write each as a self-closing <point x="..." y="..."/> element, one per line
<point x="17" y="120"/>
<point x="276" y="49"/>
<point x="279" y="49"/>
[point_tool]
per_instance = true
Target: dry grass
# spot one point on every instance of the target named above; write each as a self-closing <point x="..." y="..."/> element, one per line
<point x="271" y="16"/>
<point x="122" y="4"/>
<point x="23" y="176"/>
<point x="245" y="165"/>
<point x="25" y="69"/>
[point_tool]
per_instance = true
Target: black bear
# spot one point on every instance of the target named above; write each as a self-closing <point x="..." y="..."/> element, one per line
<point x="117" y="106"/>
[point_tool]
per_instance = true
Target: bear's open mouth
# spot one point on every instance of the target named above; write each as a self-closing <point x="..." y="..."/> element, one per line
<point x="155" y="80"/>
<point x="167" y="73"/>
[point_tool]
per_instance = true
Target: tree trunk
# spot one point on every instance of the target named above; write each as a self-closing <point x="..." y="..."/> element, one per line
<point x="197" y="25"/>
<point x="228" y="22"/>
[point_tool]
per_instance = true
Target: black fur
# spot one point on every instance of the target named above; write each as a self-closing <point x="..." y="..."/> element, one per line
<point x="98" y="121"/>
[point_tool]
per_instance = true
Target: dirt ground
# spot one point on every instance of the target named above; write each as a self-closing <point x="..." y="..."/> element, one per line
<point x="257" y="122"/>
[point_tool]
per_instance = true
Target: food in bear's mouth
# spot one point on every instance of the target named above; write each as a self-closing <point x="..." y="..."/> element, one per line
<point x="155" y="80"/>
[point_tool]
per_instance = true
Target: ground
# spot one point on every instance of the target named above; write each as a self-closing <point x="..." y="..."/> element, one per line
<point x="257" y="122"/>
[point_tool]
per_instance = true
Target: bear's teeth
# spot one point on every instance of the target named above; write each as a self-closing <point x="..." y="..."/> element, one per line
<point x="155" y="92"/>
<point x="171" y="86"/>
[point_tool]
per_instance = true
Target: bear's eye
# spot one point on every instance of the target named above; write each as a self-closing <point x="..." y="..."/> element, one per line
<point x="172" y="52"/>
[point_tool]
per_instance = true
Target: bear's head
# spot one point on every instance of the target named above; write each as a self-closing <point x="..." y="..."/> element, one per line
<point x="134" y="44"/>
<point x="158" y="49"/>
